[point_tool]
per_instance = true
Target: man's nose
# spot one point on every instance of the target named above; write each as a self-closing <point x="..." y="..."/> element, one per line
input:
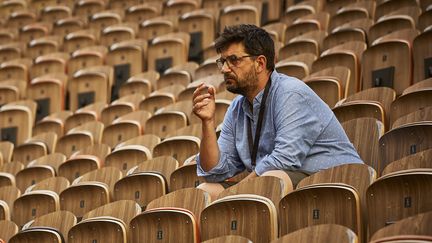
<point x="225" y="68"/>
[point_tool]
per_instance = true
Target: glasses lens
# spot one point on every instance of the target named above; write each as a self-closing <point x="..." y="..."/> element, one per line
<point x="220" y="62"/>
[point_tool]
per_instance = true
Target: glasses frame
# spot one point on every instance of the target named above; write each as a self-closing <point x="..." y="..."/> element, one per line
<point x="232" y="61"/>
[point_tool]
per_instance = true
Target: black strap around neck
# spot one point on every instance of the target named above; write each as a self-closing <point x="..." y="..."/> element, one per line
<point x="253" y="144"/>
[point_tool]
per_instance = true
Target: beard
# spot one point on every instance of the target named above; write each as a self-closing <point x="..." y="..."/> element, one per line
<point x="242" y="86"/>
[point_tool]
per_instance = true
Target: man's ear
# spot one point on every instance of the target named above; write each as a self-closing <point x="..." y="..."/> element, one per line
<point x="261" y="63"/>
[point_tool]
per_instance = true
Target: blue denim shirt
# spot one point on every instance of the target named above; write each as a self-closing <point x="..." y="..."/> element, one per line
<point x="299" y="132"/>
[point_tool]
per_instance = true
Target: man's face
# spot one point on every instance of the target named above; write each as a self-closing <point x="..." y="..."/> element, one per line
<point x="239" y="70"/>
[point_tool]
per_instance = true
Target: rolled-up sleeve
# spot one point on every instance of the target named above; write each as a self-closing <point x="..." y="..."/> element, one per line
<point x="297" y="127"/>
<point x="229" y="161"/>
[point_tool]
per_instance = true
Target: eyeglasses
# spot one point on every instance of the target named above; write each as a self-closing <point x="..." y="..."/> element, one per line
<point x="233" y="61"/>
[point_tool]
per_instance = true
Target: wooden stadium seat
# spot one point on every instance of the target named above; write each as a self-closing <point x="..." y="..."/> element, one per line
<point x="388" y="201"/>
<point x="51" y="63"/>
<point x="88" y="113"/>
<point x="16" y="123"/>
<point x="422" y="54"/>
<point x="34" y="204"/>
<point x="78" y="166"/>
<point x="141" y="83"/>
<point x="158" y="26"/>
<point x="344" y="35"/>
<point x="156" y="100"/>
<point x="179" y="147"/>
<point x="347" y="14"/>
<point x="49" y="93"/>
<point x="43" y="46"/>
<point x="296" y="66"/>
<point x="128" y="59"/>
<point x="141" y="12"/>
<point x="7" y="229"/>
<point x="320" y="234"/>
<point x="11" y="90"/>
<point x="106" y="223"/>
<point x="420" y="115"/>
<point x="251" y="216"/>
<point x="413" y="161"/>
<point x="426" y="83"/>
<point x="337" y="204"/>
<point x="389" y="24"/>
<point x="65" y="26"/>
<point x="185" y="176"/>
<point x="6" y="149"/>
<point x="416" y="225"/>
<point x="54" y="184"/>
<point x="12" y="168"/>
<point x="60" y="221"/>
<point x="127" y="156"/>
<point x="404" y="141"/>
<point x="424" y="20"/>
<point x="34" y="31"/>
<point x="86" y="8"/>
<point x="229" y="238"/>
<point x="165" y="123"/>
<point x="387" y="64"/>
<point x="107" y="175"/>
<point x="168" y="224"/>
<point x="118" y="33"/>
<point x="32" y="149"/>
<point x="295" y="11"/>
<point x="207" y="68"/>
<point x="12" y="6"/>
<point x="5" y="213"/>
<point x="239" y="14"/>
<point x="80" y="39"/>
<point x="217" y="4"/>
<point x="310" y="42"/>
<point x="21" y="18"/>
<point x="85" y="57"/>
<point x="9" y="194"/>
<point x="17" y="69"/>
<point x="32" y="175"/>
<point x="179" y="7"/>
<point x="120" y="107"/>
<point x="147" y="140"/>
<point x="364" y="134"/>
<point x="301" y="27"/>
<point x="173" y="77"/>
<point x="164" y="165"/>
<point x="11" y="50"/>
<point x="327" y="88"/>
<point x="167" y="51"/>
<point x="7" y="179"/>
<point x="410" y="102"/>
<point x="341" y="74"/>
<point x="384" y="8"/>
<point x="358" y="109"/>
<point x="100" y="20"/>
<point x="52" y="13"/>
<point x="53" y="159"/>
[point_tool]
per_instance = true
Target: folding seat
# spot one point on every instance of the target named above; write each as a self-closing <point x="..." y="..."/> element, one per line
<point x="100" y="20"/>
<point x="9" y="7"/>
<point x="201" y="26"/>
<point x="297" y="66"/>
<point x="120" y="107"/>
<point x="310" y="42"/>
<point x="320" y="233"/>
<point x="142" y="12"/>
<point x="424" y="20"/>
<point x="141" y="83"/>
<point x="17" y="69"/>
<point x="423" y="114"/>
<point x="15" y="123"/>
<point x="86" y="8"/>
<point x="344" y="35"/>
<point x="127" y="156"/>
<point x="117" y="33"/>
<point x="167" y="51"/>
<point x="387" y="64"/>
<point x="422" y="54"/>
<point x="388" y="201"/>
<point x="147" y="140"/>
<point x="21" y="18"/>
<point x="7" y="229"/>
<point x="240" y="14"/>
<point x="207" y="68"/>
<point x="12" y="90"/>
<point x="179" y="147"/>
<point x="53" y="160"/>
<point x="179" y="7"/>
<point x="53" y="13"/>
<point x="229" y="238"/>
<point x="301" y="27"/>
<point x="90" y="85"/>
<point x="44" y="45"/>
<point x="8" y="36"/>
<point x="158" y="26"/>
<point x="12" y="168"/>
<point x="386" y="7"/>
<point x="41" y="4"/>
<point x="54" y="184"/>
<point x="127" y="58"/>
<point x="80" y="137"/>
<point x="86" y="57"/>
<point x="32" y="175"/>
<point x="217" y="4"/>
<point x="414" y="226"/>
<point x="5" y="213"/>
<point x="347" y="14"/>
<point x="63" y="27"/>
<point x="6" y="151"/>
<point x="122" y="4"/>
<point x="156" y="101"/>
<point x="258" y="221"/>
<point x="295" y="11"/>
<point x="35" y="147"/>
<point x="106" y="223"/>
<point x="346" y="55"/>
<point x="89" y="191"/>
<point x="11" y="50"/>
<point x="410" y="102"/>
<point x="79" y="39"/>
<point x="403" y="141"/>
<point x="173" y="77"/>
<point x="341" y="74"/>
<point x="185" y="176"/>
<point x="389" y="24"/>
<point x="49" y="64"/>
<point x="78" y="165"/>
<point x="164" y="165"/>
<point x="88" y="113"/>
<point x="98" y="150"/>
<point x="327" y="88"/>
<point x="164" y="123"/>
<point x="8" y="194"/>
<point x="412" y="161"/>
<point x="173" y="216"/>
<point x="334" y="203"/>
<point x="34" y="204"/>
<point x="51" y="227"/>
<point x="182" y="106"/>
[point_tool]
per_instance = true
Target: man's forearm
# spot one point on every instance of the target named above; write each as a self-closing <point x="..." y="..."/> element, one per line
<point x="209" y="149"/>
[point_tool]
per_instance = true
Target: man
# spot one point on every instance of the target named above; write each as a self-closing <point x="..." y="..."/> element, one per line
<point x="276" y="123"/>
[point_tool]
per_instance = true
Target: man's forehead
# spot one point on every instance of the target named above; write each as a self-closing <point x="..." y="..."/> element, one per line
<point x="233" y="49"/>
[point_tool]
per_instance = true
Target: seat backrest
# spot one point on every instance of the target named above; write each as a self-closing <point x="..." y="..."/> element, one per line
<point x="421" y="159"/>
<point x="422" y="54"/>
<point x="7" y="229"/>
<point x="410" y="102"/>
<point x="388" y="201"/>
<point x="60" y="220"/>
<point x="184" y="177"/>
<point x="164" y="123"/>
<point x="128" y="156"/>
<point x="320" y="233"/>
<point x="31" y="175"/>
<point x="124" y="210"/>
<point x="55" y="184"/>
<point x="251" y="216"/>
<point x="179" y="147"/>
<point x="100" y="229"/>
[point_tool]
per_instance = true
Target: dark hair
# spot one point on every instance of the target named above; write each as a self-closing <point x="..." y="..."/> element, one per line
<point x="255" y="40"/>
